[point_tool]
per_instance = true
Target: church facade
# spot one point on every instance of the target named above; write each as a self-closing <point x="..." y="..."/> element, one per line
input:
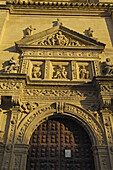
<point x="56" y="85"/>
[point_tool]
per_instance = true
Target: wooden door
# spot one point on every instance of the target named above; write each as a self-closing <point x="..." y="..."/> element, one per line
<point x="60" y="144"/>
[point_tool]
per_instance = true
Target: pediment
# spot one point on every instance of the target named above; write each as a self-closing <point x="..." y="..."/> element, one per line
<point x="59" y="37"/>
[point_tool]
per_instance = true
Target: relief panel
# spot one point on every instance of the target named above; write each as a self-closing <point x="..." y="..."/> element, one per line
<point x="36" y="70"/>
<point x="84" y="70"/>
<point x="60" y="70"/>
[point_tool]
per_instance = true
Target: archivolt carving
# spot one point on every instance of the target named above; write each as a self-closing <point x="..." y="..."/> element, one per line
<point x="26" y="127"/>
<point x="41" y="111"/>
<point x="28" y="107"/>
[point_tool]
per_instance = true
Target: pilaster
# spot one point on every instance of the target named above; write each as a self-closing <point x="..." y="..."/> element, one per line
<point x="8" y="156"/>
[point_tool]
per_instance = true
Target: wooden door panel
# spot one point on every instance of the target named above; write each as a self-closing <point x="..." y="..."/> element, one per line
<point x="52" y="143"/>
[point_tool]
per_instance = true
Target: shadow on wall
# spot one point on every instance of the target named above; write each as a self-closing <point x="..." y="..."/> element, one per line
<point x="109" y="24"/>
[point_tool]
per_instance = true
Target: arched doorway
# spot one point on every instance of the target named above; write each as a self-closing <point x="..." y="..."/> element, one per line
<point x="60" y="144"/>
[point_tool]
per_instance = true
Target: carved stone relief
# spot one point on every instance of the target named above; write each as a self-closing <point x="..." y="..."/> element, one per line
<point x="74" y="69"/>
<point x="61" y="53"/>
<point x="60" y="72"/>
<point x="41" y="110"/>
<point x="10" y="85"/>
<point x="97" y="68"/>
<point x="13" y="66"/>
<point x="108" y="67"/>
<point x="108" y="128"/>
<point x="28" y="107"/>
<point x="84" y="72"/>
<point x="88" y="118"/>
<point x="61" y="108"/>
<point x="36" y="71"/>
<point x="58" y="39"/>
<point x="17" y="161"/>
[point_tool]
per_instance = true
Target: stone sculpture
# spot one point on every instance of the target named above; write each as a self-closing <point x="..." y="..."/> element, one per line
<point x="90" y="32"/>
<point x="29" y="30"/>
<point x="60" y="73"/>
<point x="36" y="72"/>
<point x="83" y="73"/>
<point x="108" y="69"/>
<point x="13" y="66"/>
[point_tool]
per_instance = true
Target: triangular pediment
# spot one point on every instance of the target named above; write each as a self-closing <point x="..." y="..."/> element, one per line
<point x="59" y="37"/>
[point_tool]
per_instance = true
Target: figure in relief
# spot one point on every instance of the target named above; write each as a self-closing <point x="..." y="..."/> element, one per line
<point x="90" y="32"/>
<point x="60" y="73"/>
<point x="13" y="66"/>
<point x="59" y="22"/>
<point x="83" y="73"/>
<point x="29" y="30"/>
<point x="108" y="69"/>
<point x="36" y="71"/>
<point x="61" y="39"/>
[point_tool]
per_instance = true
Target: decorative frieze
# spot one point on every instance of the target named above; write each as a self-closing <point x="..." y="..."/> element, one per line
<point x="60" y="53"/>
<point x="9" y="85"/>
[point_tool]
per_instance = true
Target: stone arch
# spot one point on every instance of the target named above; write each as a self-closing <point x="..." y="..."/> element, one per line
<point x="40" y="114"/>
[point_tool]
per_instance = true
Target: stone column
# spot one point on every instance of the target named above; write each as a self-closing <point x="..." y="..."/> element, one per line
<point x="8" y="156"/>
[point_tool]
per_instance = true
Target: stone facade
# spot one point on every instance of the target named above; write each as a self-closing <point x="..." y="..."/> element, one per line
<point x="55" y="58"/>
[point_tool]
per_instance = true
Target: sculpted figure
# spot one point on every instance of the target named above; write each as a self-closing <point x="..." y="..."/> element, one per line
<point x="108" y="69"/>
<point x="13" y="66"/>
<point x="29" y="30"/>
<point x="90" y="32"/>
<point x="36" y="72"/>
<point x="60" y="73"/>
<point x="59" y="22"/>
<point x="84" y="73"/>
<point x="61" y="39"/>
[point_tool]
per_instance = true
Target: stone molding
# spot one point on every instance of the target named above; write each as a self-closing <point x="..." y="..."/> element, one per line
<point x="37" y="116"/>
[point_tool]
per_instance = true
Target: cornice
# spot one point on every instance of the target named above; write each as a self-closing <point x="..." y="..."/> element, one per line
<point x="62" y="8"/>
